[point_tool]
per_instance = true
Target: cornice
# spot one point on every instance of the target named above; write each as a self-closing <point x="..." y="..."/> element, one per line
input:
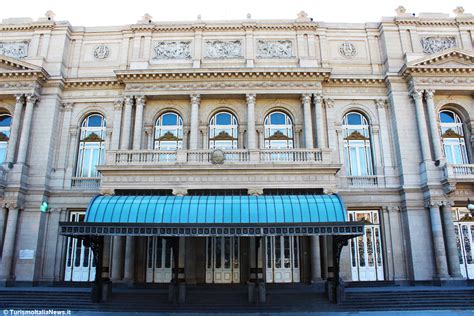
<point x="28" y="26"/>
<point x="362" y="80"/>
<point x="434" y="22"/>
<point x="92" y="83"/>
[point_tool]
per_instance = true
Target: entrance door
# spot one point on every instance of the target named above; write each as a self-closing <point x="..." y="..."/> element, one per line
<point x="283" y="260"/>
<point x="464" y="230"/>
<point x="366" y="250"/>
<point x="80" y="265"/>
<point x="222" y="260"/>
<point x="159" y="260"/>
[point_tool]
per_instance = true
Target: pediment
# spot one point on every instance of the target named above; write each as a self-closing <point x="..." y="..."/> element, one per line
<point x="451" y="58"/>
<point x="8" y="64"/>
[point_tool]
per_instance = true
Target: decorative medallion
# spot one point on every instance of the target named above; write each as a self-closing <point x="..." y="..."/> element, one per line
<point x="223" y="49"/>
<point x="101" y="51"/>
<point x="347" y="50"/>
<point x="217" y="157"/>
<point x="172" y="50"/>
<point x="433" y="45"/>
<point x="14" y="49"/>
<point x="274" y="49"/>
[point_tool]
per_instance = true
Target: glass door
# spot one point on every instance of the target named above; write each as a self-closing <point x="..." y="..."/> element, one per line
<point x="159" y="267"/>
<point x="80" y="266"/>
<point x="283" y="262"/>
<point x="464" y="230"/>
<point x="222" y="260"/>
<point x="366" y="250"/>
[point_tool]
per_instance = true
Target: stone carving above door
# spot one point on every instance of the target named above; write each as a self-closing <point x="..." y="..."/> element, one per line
<point x="223" y="49"/>
<point x="434" y="44"/>
<point x="172" y="50"/>
<point x="14" y="49"/>
<point x="274" y="49"/>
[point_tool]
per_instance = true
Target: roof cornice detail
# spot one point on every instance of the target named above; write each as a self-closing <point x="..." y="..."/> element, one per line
<point x="28" y="26"/>
<point x="434" y="22"/>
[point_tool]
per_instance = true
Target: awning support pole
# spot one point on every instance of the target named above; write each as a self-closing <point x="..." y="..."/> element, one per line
<point x="338" y="243"/>
<point x="96" y="243"/>
<point x="174" y="288"/>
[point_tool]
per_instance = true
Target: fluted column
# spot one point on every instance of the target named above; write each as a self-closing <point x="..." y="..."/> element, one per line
<point x="9" y="243"/>
<point x="127" y="123"/>
<point x="308" y="127"/>
<point x="319" y="121"/>
<point x="25" y="131"/>
<point x="438" y="240"/>
<point x="420" y="119"/>
<point x="193" y="138"/>
<point x="138" y="128"/>
<point x="251" y="130"/>
<point x="115" y="142"/>
<point x="315" y="259"/>
<point x="435" y="139"/>
<point x="15" y="129"/>
<point x="450" y="239"/>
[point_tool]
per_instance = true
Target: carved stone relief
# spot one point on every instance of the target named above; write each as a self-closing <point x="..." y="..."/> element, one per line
<point x="347" y="50"/>
<point x="223" y="49"/>
<point x="101" y="51"/>
<point x="274" y="49"/>
<point x="14" y="49"/>
<point x="172" y="50"/>
<point x="433" y="45"/>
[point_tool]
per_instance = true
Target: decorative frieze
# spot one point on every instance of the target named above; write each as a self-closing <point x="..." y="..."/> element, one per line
<point x="223" y="49"/>
<point x="274" y="49"/>
<point x="14" y="49"/>
<point x="433" y="45"/>
<point x="172" y="50"/>
<point x="347" y="50"/>
<point x="101" y="51"/>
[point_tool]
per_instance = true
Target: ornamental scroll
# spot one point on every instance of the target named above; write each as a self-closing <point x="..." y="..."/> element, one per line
<point x="14" y="49"/>
<point x="433" y="45"/>
<point x="172" y="50"/>
<point x="223" y="49"/>
<point x="274" y="49"/>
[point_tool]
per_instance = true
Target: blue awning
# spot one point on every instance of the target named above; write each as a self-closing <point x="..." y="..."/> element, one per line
<point x="264" y="209"/>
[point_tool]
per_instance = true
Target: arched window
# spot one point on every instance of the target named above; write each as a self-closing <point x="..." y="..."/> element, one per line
<point x="223" y="131"/>
<point x="278" y="131"/>
<point x="357" y="145"/>
<point x="5" y="124"/>
<point x="91" y="146"/>
<point x="452" y="134"/>
<point x="169" y="132"/>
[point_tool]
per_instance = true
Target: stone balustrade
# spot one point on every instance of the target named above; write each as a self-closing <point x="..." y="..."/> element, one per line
<point x="459" y="172"/>
<point x="80" y="183"/>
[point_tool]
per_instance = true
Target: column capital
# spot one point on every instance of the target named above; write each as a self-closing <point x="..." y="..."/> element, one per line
<point x="128" y="100"/>
<point x="318" y="97"/>
<point x="20" y="97"/>
<point x="328" y="102"/>
<point x="32" y="98"/>
<point x="140" y="99"/>
<point x="251" y="97"/>
<point x="118" y="104"/>
<point x="429" y="93"/>
<point x="381" y="103"/>
<point x="417" y="94"/>
<point x="438" y="202"/>
<point x="393" y="208"/>
<point x="195" y="98"/>
<point x="67" y="106"/>
<point x="306" y="98"/>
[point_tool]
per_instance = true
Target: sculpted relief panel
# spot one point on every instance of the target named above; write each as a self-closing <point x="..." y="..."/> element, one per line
<point x="14" y="49"/>
<point x="274" y="49"/>
<point x="223" y="49"/>
<point x="433" y="45"/>
<point x="172" y="50"/>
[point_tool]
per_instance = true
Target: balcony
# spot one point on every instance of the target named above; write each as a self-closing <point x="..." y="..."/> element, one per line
<point x="205" y="157"/>
<point x="92" y="184"/>
<point x="459" y="172"/>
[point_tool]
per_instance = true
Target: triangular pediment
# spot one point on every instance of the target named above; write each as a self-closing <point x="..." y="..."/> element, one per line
<point x="9" y="64"/>
<point x="451" y="58"/>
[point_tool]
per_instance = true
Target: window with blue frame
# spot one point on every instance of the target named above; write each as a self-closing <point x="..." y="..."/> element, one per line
<point x="91" y="146"/>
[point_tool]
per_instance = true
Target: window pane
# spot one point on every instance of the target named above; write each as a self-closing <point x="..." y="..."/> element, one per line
<point x="169" y="119"/>
<point x="3" y="151"/>
<point x="354" y="119"/>
<point x="446" y="117"/>
<point x="223" y="119"/>
<point x="94" y="121"/>
<point x="5" y="120"/>
<point x="277" y="119"/>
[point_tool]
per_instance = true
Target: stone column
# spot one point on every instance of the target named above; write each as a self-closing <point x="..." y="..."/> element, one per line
<point x="138" y="128"/>
<point x="315" y="260"/>
<point x="127" y="123"/>
<point x="384" y="137"/>
<point x="261" y="137"/>
<point x="420" y="119"/>
<point x="435" y="137"/>
<point x="450" y="240"/>
<point x="117" y="258"/>
<point x="193" y="139"/>
<point x="25" y="131"/>
<point x="115" y="142"/>
<point x="308" y="127"/>
<point x="63" y="146"/>
<point x="129" y="267"/>
<point x="15" y="129"/>
<point x="9" y="244"/>
<point x="3" y="217"/>
<point x="251" y="130"/>
<point x="438" y="241"/>
<point x="318" y="114"/>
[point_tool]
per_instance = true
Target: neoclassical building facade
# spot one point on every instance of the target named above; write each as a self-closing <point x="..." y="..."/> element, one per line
<point x="155" y="116"/>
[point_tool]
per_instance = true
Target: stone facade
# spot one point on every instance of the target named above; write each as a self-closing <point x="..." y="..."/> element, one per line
<point x="399" y="73"/>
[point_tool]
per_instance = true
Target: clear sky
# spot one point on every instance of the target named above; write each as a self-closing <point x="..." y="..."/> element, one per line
<point x="108" y="12"/>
